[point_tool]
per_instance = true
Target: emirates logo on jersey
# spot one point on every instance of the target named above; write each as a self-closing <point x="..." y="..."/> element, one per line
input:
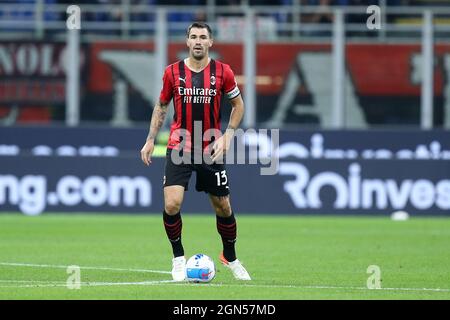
<point x="197" y="95"/>
<point x="194" y="91"/>
<point x="213" y="80"/>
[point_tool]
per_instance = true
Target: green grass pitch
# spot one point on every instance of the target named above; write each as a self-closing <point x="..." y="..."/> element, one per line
<point x="288" y="257"/>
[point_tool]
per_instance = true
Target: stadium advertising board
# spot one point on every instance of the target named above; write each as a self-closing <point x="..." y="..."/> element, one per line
<point x="292" y="90"/>
<point x="319" y="172"/>
<point x="33" y="73"/>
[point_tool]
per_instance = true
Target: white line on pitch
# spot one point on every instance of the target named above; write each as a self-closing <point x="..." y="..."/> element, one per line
<point x="86" y="268"/>
<point x="36" y="284"/>
<point x="328" y="287"/>
<point x="211" y="284"/>
<point x="41" y="284"/>
<point x="29" y="281"/>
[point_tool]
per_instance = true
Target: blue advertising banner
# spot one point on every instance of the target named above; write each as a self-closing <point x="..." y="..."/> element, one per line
<point x="315" y="172"/>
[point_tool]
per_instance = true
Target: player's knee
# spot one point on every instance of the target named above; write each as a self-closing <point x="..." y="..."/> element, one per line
<point x="172" y="206"/>
<point x="222" y="208"/>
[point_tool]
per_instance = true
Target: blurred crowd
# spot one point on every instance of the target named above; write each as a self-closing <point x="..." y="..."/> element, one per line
<point x="321" y="16"/>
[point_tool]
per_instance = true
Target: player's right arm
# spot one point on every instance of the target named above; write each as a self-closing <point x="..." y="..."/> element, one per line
<point x="158" y="116"/>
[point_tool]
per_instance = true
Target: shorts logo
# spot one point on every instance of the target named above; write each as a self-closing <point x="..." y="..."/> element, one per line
<point x="213" y="80"/>
<point x="164" y="180"/>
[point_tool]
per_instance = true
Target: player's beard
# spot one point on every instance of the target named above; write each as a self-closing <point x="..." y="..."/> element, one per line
<point x="198" y="56"/>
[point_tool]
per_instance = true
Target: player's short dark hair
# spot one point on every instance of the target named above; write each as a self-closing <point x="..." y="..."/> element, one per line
<point x="200" y="25"/>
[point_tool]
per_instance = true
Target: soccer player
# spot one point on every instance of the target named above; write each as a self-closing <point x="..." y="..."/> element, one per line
<point x="196" y="85"/>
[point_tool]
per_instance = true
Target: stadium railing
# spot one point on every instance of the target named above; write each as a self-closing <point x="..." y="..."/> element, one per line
<point x="274" y="23"/>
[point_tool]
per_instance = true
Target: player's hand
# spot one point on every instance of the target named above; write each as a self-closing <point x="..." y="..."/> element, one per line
<point x="147" y="151"/>
<point x="221" y="146"/>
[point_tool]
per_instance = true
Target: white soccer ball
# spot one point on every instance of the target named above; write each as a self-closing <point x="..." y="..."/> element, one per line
<point x="200" y="268"/>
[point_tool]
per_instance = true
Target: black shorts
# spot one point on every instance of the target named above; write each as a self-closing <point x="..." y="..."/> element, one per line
<point x="211" y="178"/>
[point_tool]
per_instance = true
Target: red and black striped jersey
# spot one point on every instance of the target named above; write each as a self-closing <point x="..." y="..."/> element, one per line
<point x="196" y="98"/>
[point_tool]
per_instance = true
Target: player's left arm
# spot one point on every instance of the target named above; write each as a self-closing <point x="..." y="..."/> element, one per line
<point x="222" y="144"/>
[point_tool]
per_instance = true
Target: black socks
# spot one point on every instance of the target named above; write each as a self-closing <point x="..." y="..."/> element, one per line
<point x="173" y="225"/>
<point x="225" y="226"/>
<point x="228" y="231"/>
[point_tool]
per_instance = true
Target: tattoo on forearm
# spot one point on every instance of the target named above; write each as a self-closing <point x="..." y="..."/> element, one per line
<point x="158" y="116"/>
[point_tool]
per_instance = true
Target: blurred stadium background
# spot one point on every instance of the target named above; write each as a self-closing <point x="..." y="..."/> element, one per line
<point x="363" y="112"/>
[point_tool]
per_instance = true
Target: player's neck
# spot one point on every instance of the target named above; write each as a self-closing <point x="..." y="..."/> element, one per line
<point x="197" y="65"/>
